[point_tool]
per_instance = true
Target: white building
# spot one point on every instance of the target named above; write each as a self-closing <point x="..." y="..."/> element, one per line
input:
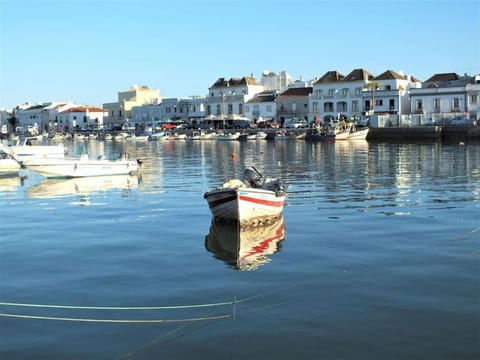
<point x="80" y="118"/>
<point x="276" y="82"/>
<point x="227" y="98"/>
<point x="262" y="106"/>
<point x="444" y="96"/>
<point x="387" y="93"/>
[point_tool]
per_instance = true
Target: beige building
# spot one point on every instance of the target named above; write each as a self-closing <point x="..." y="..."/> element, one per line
<point x="120" y="113"/>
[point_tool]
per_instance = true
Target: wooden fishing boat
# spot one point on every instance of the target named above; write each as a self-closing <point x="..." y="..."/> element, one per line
<point x="251" y="198"/>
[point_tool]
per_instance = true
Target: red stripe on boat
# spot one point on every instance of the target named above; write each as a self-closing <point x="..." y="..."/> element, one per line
<point x="262" y="202"/>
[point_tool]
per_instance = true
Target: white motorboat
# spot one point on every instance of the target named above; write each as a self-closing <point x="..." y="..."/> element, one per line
<point x="260" y="135"/>
<point x="228" y="137"/>
<point x="245" y="247"/>
<point x="26" y="149"/>
<point x="247" y="200"/>
<point x="81" y="167"/>
<point x="8" y="165"/>
<point x="158" y="136"/>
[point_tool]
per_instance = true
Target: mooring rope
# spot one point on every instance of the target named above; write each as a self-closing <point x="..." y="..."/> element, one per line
<point x="225" y="303"/>
<point x="226" y="316"/>
<point x="116" y="307"/>
<point x="74" y="307"/>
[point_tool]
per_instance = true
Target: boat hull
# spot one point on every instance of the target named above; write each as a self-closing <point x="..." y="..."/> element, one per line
<point x="358" y="134"/>
<point x="23" y="153"/>
<point x="244" y="204"/>
<point x="71" y="168"/>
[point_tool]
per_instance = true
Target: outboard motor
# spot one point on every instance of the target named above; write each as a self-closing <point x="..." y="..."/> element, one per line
<point x="253" y="177"/>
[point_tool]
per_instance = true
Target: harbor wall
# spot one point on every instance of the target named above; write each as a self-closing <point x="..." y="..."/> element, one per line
<point x="425" y="133"/>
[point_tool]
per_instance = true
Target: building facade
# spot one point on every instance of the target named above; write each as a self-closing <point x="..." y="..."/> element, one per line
<point x="119" y="113"/>
<point x="263" y="107"/>
<point x="446" y="96"/>
<point x="293" y="103"/>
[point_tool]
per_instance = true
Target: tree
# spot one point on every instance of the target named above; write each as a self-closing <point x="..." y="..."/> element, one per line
<point x="372" y="86"/>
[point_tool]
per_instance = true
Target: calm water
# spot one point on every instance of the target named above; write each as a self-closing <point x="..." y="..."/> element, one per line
<point x="380" y="260"/>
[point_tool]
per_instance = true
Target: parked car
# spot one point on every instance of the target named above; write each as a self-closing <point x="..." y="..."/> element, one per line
<point x="296" y="123"/>
<point x="267" y="125"/>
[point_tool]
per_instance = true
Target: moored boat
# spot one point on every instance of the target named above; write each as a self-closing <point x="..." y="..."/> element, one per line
<point x="227" y="137"/>
<point x="319" y="134"/>
<point x="349" y="131"/>
<point x="249" y="199"/>
<point x="26" y="149"/>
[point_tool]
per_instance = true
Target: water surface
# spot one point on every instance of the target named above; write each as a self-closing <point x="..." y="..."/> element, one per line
<point x="379" y="258"/>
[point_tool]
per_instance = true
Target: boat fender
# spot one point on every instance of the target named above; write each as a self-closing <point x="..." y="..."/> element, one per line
<point x="139" y="162"/>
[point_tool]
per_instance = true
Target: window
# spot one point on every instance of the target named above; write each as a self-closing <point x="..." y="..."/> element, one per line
<point x="456" y="103"/>
<point x="378" y="102"/>
<point x="230" y="108"/>
<point x="247" y="108"/>
<point x="388" y="87"/>
<point x="240" y="108"/>
<point x="473" y="99"/>
<point x="358" y="91"/>
<point x="418" y="105"/>
<point x="436" y="105"/>
<point x="355" y="106"/>
<point x="331" y="92"/>
<point x="294" y="107"/>
<point x="328" y="107"/>
<point x="345" y="91"/>
<point x="391" y="104"/>
<point x="318" y="93"/>
<point x="315" y="107"/>
<point x="219" y="111"/>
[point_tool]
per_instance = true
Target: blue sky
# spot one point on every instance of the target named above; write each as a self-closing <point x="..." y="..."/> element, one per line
<point x="88" y="50"/>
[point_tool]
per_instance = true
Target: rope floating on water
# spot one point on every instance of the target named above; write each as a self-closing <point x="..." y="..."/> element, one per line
<point x="218" y="317"/>
<point x="116" y="307"/>
<point x="233" y="302"/>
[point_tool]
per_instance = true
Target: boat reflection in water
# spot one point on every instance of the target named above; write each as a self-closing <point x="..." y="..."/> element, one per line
<point x="51" y="188"/>
<point x="245" y="247"/>
<point x="10" y="183"/>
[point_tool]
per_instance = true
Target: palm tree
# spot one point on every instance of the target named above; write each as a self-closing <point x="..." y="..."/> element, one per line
<point x="372" y="86"/>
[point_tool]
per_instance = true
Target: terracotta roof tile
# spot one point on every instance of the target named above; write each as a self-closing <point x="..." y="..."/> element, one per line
<point x="330" y="77"/>
<point x="389" y="75"/>
<point x="297" y="91"/>
<point x="358" y="75"/>
<point x="246" y="80"/>
<point x="443" y="77"/>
